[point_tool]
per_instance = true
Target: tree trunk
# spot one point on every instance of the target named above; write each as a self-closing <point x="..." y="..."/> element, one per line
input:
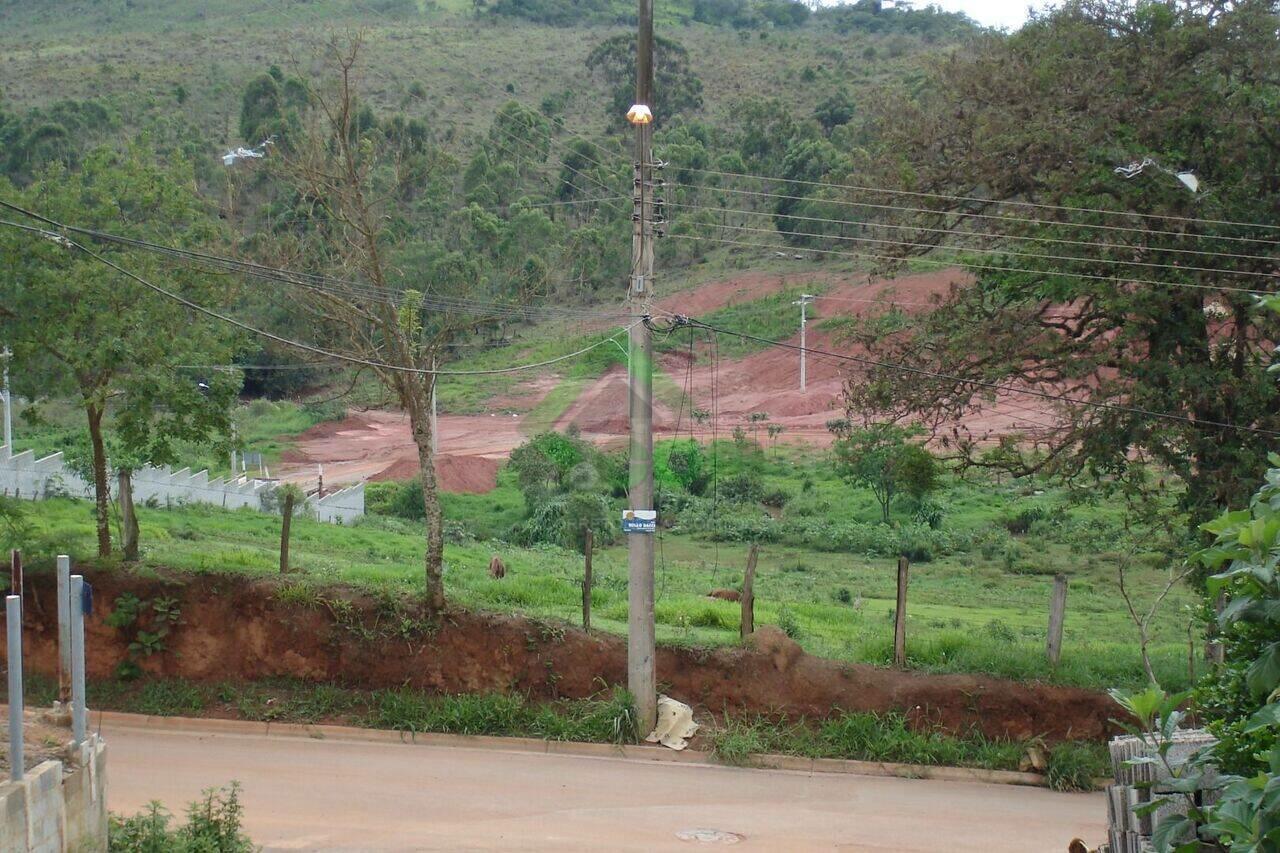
<point x="101" y="490"/>
<point x="588" y="542"/>
<point x="128" y="519"/>
<point x="286" y="520"/>
<point x="420" y="423"/>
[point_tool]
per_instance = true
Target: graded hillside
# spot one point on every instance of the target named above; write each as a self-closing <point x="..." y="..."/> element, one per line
<point x="725" y="384"/>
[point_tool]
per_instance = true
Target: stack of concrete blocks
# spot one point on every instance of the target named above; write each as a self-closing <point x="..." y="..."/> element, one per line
<point x="23" y="475"/>
<point x="1138" y="784"/>
<point x="58" y="806"/>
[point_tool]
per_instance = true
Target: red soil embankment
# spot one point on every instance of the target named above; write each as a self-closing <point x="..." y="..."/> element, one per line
<point x="236" y="628"/>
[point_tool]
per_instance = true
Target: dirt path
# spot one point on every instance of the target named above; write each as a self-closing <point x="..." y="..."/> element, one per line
<point x="307" y="794"/>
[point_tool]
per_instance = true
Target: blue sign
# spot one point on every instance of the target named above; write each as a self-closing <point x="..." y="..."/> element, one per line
<point x="639" y="521"/>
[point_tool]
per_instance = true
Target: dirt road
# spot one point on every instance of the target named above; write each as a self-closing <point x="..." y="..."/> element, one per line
<point x="302" y="794"/>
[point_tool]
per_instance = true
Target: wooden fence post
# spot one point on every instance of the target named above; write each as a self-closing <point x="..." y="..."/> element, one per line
<point x="1214" y="651"/>
<point x="900" y="616"/>
<point x="748" y="623"/>
<point x="287" y="519"/>
<point x="1057" y="614"/>
<point x="15" y="572"/>
<point x="586" y="582"/>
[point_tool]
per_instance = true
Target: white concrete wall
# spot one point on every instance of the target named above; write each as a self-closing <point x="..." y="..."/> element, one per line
<point x="50" y="811"/>
<point x="25" y="476"/>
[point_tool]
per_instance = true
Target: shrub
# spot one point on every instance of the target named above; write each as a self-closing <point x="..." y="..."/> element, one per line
<point x="742" y="488"/>
<point x="214" y="825"/>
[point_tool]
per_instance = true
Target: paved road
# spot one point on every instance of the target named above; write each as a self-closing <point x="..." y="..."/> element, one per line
<point x="303" y="794"/>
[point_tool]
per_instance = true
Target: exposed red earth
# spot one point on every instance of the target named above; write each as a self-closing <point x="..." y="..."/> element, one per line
<point x="376" y="445"/>
<point x="236" y="628"/>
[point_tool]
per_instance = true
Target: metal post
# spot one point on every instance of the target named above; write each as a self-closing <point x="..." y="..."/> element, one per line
<point x="8" y="406"/>
<point x="641" y="657"/>
<point x="13" y="624"/>
<point x="803" y="302"/>
<point x="77" y="659"/>
<point x="64" y="628"/>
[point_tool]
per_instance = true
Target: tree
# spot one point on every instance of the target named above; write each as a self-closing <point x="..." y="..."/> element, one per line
<point x="678" y="89"/>
<point x="880" y="457"/>
<point x="81" y="328"/>
<point x="1190" y="85"/>
<point x="834" y="110"/>
<point x="374" y="193"/>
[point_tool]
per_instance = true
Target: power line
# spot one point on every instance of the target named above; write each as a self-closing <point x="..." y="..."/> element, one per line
<point x="994" y="235"/>
<point x="979" y="200"/>
<point x="978" y="383"/>
<point x="961" y="249"/>
<point x="67" y="242"/>
<point x="989" y="267"/>
<point x="990" y="216"/>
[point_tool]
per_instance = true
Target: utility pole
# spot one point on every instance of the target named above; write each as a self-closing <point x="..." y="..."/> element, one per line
<point x="8" y="405"/>
<point x="641" y="657"/>
<point x="804" y="301"/>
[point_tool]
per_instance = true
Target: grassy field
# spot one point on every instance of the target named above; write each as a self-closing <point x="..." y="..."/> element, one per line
<point x="979" y="607"/>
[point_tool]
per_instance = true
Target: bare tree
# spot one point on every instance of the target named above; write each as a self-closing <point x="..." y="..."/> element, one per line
<point x="358" y="179"/>
<point x="1142" y="621"/>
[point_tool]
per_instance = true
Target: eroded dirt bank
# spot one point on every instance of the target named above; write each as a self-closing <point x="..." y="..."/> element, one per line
<point x="236" y="628"/>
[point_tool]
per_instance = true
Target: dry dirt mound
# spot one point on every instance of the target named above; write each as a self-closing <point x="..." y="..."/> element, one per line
<point x="235" y="628"/>
<point x="469" y="474"/>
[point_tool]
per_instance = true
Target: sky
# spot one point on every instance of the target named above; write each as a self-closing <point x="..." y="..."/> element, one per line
<point x="1009" y="14"/>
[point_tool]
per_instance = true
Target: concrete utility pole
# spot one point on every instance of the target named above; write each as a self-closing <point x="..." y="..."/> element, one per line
<point x="804" y="301"/>
<point x="641" y="675"/>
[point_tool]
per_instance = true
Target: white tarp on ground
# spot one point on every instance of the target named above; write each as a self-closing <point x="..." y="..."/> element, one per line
<point x="675" y="724"/>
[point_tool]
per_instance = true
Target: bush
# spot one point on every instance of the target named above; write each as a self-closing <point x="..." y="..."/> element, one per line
<point x="742" y="488"/>
<point x="214" y="825"/>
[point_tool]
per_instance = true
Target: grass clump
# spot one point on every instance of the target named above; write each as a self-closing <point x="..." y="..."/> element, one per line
<point x="889" y="737"/>
<point x="214" y="825"/>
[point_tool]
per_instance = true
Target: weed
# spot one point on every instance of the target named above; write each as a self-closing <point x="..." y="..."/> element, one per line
<point x="1073" y="765"/>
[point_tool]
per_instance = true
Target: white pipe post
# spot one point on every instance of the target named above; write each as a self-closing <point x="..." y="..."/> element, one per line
<point x="64" y="628"/>
<point x="13" y="616"/>
<point x="803" y="302"/>
<point x="77" y="659"/>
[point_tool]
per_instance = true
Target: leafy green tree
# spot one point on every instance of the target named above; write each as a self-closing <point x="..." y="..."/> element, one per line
<point x="835" y="110"/>
<point x="80" y="328"/>
<point x="881" y="458"/>
<point x="1191" y="85"/>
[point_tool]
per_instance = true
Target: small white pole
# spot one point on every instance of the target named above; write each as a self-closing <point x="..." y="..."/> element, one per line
<point x="803" y="302"/>
<point x="13" y="615"/>
<point x="77" y="659"/>
<point x="64" y="628"/>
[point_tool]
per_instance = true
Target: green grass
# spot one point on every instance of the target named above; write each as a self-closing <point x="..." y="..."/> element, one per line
<point x="603" y="719"/>
<point x="966" y="612"/>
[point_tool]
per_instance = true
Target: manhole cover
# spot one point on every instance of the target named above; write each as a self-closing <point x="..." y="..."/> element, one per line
<point x="709" y="836"/>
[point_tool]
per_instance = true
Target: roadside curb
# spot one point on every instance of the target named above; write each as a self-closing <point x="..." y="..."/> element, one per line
<point x="629" y="752"/>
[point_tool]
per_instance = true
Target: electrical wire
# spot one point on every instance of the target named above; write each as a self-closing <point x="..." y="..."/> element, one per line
<point x="979" y="200"/>
<point x="989" y="267"/>
<point x="955" y="232"/>
<point x="298" y="344"/>
<point x="987" y="216"/>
